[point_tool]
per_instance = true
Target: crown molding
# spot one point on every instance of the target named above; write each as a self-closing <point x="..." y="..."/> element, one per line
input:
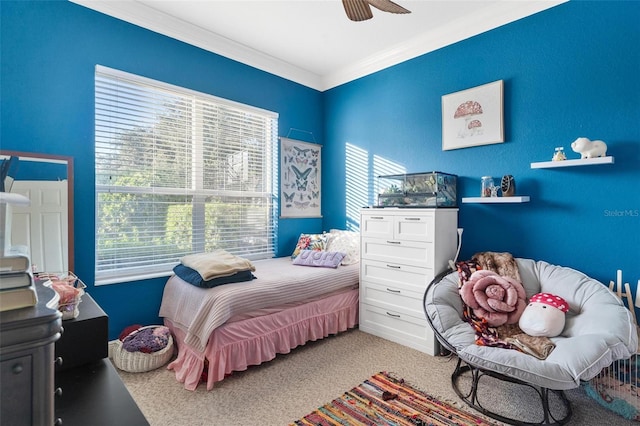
<point x="496" y="15"/>
<point x="146" y="17"/>
<point x="468" y="26"/>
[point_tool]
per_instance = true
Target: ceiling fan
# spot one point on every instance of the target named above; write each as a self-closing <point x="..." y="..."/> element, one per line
<point x="360" y="10"/>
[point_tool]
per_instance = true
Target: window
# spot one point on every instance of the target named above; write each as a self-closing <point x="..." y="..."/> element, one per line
<point x="178" y="172"/>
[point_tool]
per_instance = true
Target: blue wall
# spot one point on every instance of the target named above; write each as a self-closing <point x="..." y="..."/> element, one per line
<point x="49" y="53"/>
<point x="570" y="71"/>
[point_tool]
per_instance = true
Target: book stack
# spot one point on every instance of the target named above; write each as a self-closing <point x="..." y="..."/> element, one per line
<point x="17" y="287"/>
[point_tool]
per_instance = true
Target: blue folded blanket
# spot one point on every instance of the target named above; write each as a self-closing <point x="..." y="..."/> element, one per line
<point x="193" y="277"/>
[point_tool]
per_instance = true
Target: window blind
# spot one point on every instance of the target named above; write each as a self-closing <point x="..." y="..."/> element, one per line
<point x="178" y="172"/>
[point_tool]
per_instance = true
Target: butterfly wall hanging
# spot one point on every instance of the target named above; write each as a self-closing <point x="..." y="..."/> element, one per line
<point x="300" y="178"/>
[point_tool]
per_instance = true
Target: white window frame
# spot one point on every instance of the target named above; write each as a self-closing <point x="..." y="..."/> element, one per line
<point x="118" y="271"/>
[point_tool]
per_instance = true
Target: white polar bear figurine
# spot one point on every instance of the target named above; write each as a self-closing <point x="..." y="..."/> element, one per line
<point x="588" y="148"/>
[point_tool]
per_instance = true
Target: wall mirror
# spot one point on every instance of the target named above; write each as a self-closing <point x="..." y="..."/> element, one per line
<point x="46" y="224"/>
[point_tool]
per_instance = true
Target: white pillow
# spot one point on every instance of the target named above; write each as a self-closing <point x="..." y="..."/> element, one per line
<point x="347" y="242"/>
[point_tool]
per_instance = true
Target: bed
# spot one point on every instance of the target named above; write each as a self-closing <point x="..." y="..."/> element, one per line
<point x="233" y="326"/>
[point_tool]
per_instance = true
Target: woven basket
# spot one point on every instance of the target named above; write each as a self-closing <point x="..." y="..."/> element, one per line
<point x="139" y="362"/>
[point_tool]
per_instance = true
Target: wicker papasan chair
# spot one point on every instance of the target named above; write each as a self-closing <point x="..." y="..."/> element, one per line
<point x="598" y="331"/>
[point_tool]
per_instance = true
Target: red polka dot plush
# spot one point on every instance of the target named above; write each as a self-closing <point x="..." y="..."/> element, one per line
<point x="544" y="315"/>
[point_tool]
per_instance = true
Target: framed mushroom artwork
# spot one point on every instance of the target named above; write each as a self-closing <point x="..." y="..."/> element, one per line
<point x="473" y="117"/>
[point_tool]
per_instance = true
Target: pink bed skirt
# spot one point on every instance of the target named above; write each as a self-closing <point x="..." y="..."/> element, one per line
<point x="236" y="346"/>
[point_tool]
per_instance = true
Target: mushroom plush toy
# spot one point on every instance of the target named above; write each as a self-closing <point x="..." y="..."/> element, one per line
<point x="544" y="315"/>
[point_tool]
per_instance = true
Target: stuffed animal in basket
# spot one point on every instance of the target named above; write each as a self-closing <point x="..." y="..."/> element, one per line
<point x="544" y="315"/>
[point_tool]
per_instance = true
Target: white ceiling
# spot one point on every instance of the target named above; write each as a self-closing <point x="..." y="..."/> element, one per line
<point x="312" y="42"/>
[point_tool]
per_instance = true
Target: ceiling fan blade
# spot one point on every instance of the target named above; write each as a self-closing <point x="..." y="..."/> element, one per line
<point x="388" y="6"/>
<point x="357" y="10"/>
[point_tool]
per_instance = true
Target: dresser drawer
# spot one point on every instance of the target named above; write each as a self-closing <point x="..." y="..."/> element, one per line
<point x="404" y="329"/>
<point x="397" y="277"/>
<point x="377" y="226"/>
<point x="16" y="398"/>
<point x="393" y="298"/>
<point x="409" y="227"/>
<point x="398" y="252"/>
<point x="399" y="225"/>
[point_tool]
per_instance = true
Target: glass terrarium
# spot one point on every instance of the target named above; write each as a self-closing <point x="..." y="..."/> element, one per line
<point x="428" y="189"/>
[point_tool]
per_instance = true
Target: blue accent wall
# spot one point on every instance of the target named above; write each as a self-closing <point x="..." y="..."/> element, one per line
<point x="49" y="53"/>
<point x="569" y="71"/>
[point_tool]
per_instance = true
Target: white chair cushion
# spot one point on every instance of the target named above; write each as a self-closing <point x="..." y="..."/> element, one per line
<point x="598" y="328"/>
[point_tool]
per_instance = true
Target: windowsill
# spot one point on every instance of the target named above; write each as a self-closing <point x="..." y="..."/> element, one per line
<point x="131" y="278"/>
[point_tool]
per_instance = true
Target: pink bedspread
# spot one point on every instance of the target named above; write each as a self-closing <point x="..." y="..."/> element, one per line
<point x="237" y="345"/>
<point x="198" y="311"/>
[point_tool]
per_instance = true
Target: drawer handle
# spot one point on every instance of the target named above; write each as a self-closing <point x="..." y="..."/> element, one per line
<point x="394" y="242"/>
<point x="58" y="422"/>
<point x="58" y="361"/>
<point x="393" y="266"/>
<point x="17" y="368"/>
<point x="377" y="217"/>
<point x="58" y="392"/>
<point x="393" y="315"/>
<point x="411" y="218"/>
<point x="390" y="290"/>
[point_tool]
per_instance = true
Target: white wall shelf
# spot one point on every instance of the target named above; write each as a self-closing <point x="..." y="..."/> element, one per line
<point x="571" y="163"/>
<point x="490" y="200"/>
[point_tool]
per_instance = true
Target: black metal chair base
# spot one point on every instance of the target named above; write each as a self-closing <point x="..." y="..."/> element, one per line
<point x="471" y="397"/>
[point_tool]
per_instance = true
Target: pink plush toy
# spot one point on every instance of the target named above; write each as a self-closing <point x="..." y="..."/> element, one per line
<point x="544" y="315"/>
<point x="497" y="299"/>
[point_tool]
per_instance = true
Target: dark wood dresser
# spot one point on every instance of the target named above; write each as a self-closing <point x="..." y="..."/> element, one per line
<point x="85" y="339"/>
<point x="27" y="338"/>
<point x="55" y="372"/>
<point x="92" y="391"/>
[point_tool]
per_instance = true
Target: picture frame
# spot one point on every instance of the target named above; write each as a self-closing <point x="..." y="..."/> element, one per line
<point x="473" y="117"/>
<point x="300" y="179"/>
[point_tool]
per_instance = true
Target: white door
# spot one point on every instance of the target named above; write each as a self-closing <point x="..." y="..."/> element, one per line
<point x="43" y="225"/>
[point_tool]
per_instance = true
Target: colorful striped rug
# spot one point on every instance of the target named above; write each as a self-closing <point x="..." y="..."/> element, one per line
<point x="385" y="399"/>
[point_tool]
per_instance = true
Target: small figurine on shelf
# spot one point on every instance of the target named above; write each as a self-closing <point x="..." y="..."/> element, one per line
<point x="487" y="186"/>
<point x="589" y="149"/>
<point x="508" y="186"/>
<point x="559" y="154"/>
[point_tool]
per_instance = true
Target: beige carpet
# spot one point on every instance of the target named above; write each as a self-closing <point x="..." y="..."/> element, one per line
<point x="292" y="385"/>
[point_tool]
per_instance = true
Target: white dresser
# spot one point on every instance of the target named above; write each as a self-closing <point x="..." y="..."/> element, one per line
<point x="401" y="252"/>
